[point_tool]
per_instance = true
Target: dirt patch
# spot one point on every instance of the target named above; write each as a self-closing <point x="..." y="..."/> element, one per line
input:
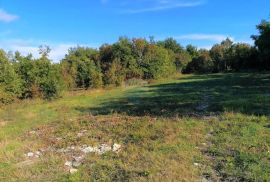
<point x="3" y="123"/>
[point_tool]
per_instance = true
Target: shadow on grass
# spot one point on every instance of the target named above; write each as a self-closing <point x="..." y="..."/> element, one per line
<point x="201" y="95"/>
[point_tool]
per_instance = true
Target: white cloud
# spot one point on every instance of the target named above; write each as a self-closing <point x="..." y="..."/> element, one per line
<point x="206" y="37"/>
<point x="165" y="6"/>
<point x="7" y="17"/>
<point x="57" y="53"/>
<point x="143" y="6"/>
<point x="58" y="50"/>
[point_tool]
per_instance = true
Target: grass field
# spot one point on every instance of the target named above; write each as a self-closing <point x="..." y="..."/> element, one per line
<point x="191" y="128"/>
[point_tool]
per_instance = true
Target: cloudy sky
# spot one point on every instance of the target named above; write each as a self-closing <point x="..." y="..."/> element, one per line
<point x="26" y="24"/>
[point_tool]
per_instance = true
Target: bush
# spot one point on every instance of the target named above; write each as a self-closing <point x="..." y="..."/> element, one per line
<point x="262" y="43"/>
<point x="158" y="63"/>
<point x="52" y="86"/>
<point x="81" y="69"/>
<point x="115" y="75"/>
<point x="10" y="83"/>
<point x="201" y="64"/>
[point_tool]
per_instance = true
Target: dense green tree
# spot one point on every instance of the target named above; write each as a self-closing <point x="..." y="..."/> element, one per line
<point x="52" y="86"/>
<point x="123" y="52"/>
<point x="81" y="68"/>
<point x="181" y="60"/>
<point x="25" y="68"/>
<point x="10" y="83"/>
<point x="201" y="64"/>
<point x="48" y="82"/>
<point x="158" y="63"/>
<point x="26" y="77"/>
<point x="241" y="56"/>
<point x="44" y="51"/>
<point x="109" y="65"/>
<point x="171" y="44"/>
<point x="262" y="42"/>
<point x="192" y="50"/>
<point x="139" y="48"/>
<point x="218" y="54"/>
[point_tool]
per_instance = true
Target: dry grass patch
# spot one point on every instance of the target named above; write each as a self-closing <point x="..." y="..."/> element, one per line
<point x="151" y="149"/>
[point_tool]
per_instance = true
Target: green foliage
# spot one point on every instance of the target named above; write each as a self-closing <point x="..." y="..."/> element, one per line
<point x="158" y="63"/>
<point x="201" y="64"/>
<point x="262" y="42"/>
<point x="241" y="56"/>
<point x="81" y="69"/>
<point x="115" y="74"/>
<point x="40" y="78"/>
<point x="127" y="59"/>
<point x="51" y="86"/>
<point x="25" y="68"/>
<point x="171" y="44"/>
<point x="192" y="50"/>
<point x="111" y="67"/>
<point x="219" y="53"/>
<point x="138" y="58"/>
<point x="122" y="50"/>
<point x="10" y="83"/>
<point x="182" y="59"/>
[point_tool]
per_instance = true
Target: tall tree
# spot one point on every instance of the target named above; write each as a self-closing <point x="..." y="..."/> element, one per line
<point x="10" y="83"/>
<point x="171" y="44"/>
<point x="262" y="42"/>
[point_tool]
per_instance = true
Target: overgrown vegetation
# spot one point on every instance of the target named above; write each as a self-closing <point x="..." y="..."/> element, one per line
<point x="184" y="129"/>
<point x="112" y="65"/>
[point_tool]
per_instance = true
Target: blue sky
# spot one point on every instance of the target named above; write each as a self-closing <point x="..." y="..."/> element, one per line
<point x="26" y="24"/>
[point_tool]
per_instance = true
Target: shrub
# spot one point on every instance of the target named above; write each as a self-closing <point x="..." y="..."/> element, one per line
<point x="201" y="64"/>
<point x="158" y="63"/>
<point x="81" y="69"/>
<point x="10" y="83"/>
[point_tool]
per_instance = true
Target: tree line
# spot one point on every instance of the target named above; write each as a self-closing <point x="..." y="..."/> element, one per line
<point x="24" y="77"/>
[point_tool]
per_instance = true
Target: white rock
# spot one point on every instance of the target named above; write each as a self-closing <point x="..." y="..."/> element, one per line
<point x="68" y="163"/>
<point x="30" y="154"/>
<point x="104" y="148"/>
<point x="76" y="164"/>
<point x="116" y="147"/>
<point x="79" y="159"/>
<point x="38" y="153"/>
<point x="61" y="150"/>
<point x="64" y="150"/>
<point x="72" y="170"/>
<point x="89" y="150"/>
<point x="196" y="164"/>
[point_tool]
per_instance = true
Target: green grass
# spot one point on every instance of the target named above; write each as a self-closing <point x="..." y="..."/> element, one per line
<point x="240" y="148"/>
<point x="183" y="129"/>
